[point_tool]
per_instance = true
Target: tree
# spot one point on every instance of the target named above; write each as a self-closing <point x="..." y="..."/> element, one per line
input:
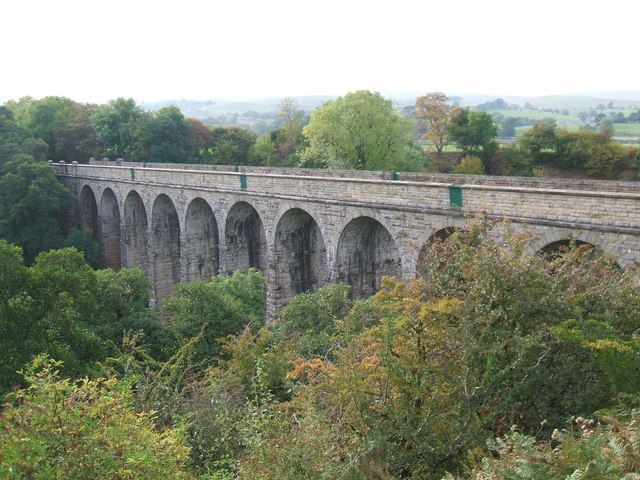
<point x="83" y="239"/>
<point x="231" y="146"/>
<point x="512" y="160"/>
<point x="64" y="125"/>
<point x="289" y="135"/>
<point x="60" y="428"/>
<point x="47" y="310"/>
<point x="168" y="137"/>
<point x="434" y="109"/>
<point x="221" y="306"/>
<point x="15" y="139"/>
<point x="45" y="119"/>
<point x="541" y="141"/>
<point x="202" y="138"/>
<point x="119" y="128"/>
<point x="30" y="202"/>
<point x="508" y="127"/>
<point x="360" y="130"/>
<point x="264" y="152"/>
<point x="76" y="140"/>
<point x="474" y="133"/>
<point x="123" y="309"/>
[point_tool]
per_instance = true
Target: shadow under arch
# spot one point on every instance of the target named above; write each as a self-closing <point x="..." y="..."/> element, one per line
<point x="88" y="212"/>
<point x="366" y="253"/>
<point x="245" y="238"/>
<point x="574" y="246"/>
<point x="110" y="229"/>
<point x="166" y="247"/>
<point x="300" y="257"/>
<point x="201" y="252"/>
<point x="135" y="232"/>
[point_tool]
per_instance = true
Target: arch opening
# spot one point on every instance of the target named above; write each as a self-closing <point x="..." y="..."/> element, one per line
<point x="564" y="245"/>
<point x="244" y="238"/>
<point x="166" y="247"/>
<point x="300" y="256"/>
<point x="427" y="249"/>
<point x="366" y="253"/>
<point x="136" y="233"/>
<point x="201" y="241"/>
<point x="89" y="212"/>
<point x="553" y="250"/>
<point x="110" y="229"/>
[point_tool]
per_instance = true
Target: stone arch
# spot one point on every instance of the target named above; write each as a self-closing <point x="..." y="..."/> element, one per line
<point x="110" y="229"/>
<point x="366" y="252"/>
<point x="201" y="252"/>
<point x="558" y="247"/>
<point x="89" y="212"/>
<point x="438" y="237"/>
<point x="554" y="243"/>
<point x="135" y="232"/>
<point x="300" y="256"/>
<point x="245" y="238"/>
<point x="562" y="244"/>
<point x="166" y="246"/>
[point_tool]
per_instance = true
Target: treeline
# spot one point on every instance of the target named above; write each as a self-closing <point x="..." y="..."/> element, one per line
<point x="359" y="130"/>
<point x="543" y="149"/>
<point x="540" y="352"/>
<point x="61" y="129"/>
<point x="545" y="145"/>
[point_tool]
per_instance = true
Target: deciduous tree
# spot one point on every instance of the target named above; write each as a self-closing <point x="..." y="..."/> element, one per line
<point x="360" y="130"/>
<point x="474" y="133"/>
<point x="119" y="128"/>
<point x="434" y="109"/>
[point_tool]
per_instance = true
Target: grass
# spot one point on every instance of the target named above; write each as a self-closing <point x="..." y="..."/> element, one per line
<point x="626" y="129"/>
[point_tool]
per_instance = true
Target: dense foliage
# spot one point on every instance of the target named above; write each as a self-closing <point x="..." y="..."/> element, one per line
<point x="59" y="428"/>
<point x="62" y="307"/>
<point x="603" y="450"/>
<point x="414" y="382"/>
<point x="360" y="130"/>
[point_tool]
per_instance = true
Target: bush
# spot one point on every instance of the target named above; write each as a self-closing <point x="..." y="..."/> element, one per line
<point x="515" y="160"/>
<point x="310" y="319"/>
<point x="59" y="428"/>
<point x="471" y="166"/>
<point x="221" y="306"/>
<point x="587" y="449"/>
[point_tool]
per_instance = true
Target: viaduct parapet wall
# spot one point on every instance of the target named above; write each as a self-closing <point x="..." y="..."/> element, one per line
<point x="306" y="228"/>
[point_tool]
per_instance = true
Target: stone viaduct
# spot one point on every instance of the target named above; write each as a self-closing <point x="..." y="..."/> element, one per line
<point x="306" y="228"/>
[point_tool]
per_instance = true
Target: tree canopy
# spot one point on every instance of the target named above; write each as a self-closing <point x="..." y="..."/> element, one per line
<point x="360" y="130"/>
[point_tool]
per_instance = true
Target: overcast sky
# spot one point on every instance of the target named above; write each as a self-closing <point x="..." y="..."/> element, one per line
<point x="93" y="51"/>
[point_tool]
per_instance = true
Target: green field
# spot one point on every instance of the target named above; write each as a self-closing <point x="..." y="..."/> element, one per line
<point x="626" y="129"/>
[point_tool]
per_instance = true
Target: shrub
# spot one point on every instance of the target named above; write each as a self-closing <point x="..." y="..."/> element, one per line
<point x="60" y="428"/>
<point x="471" y="166"/>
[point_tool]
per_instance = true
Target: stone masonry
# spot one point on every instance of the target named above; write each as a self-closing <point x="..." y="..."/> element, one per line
<point x="306" y="228"/>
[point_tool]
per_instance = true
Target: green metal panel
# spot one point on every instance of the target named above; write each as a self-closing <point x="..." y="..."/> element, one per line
<point x="133" y="174"/>
<point x="455" y="196"/>
<point x="243" y="181"/>
<point x="396" y="176"/>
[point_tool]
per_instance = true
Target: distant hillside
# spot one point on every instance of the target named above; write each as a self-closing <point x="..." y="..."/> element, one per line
<point x="202" y="109"/>
<point x="261" y="115"/>
<point x="569" y="102"/>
